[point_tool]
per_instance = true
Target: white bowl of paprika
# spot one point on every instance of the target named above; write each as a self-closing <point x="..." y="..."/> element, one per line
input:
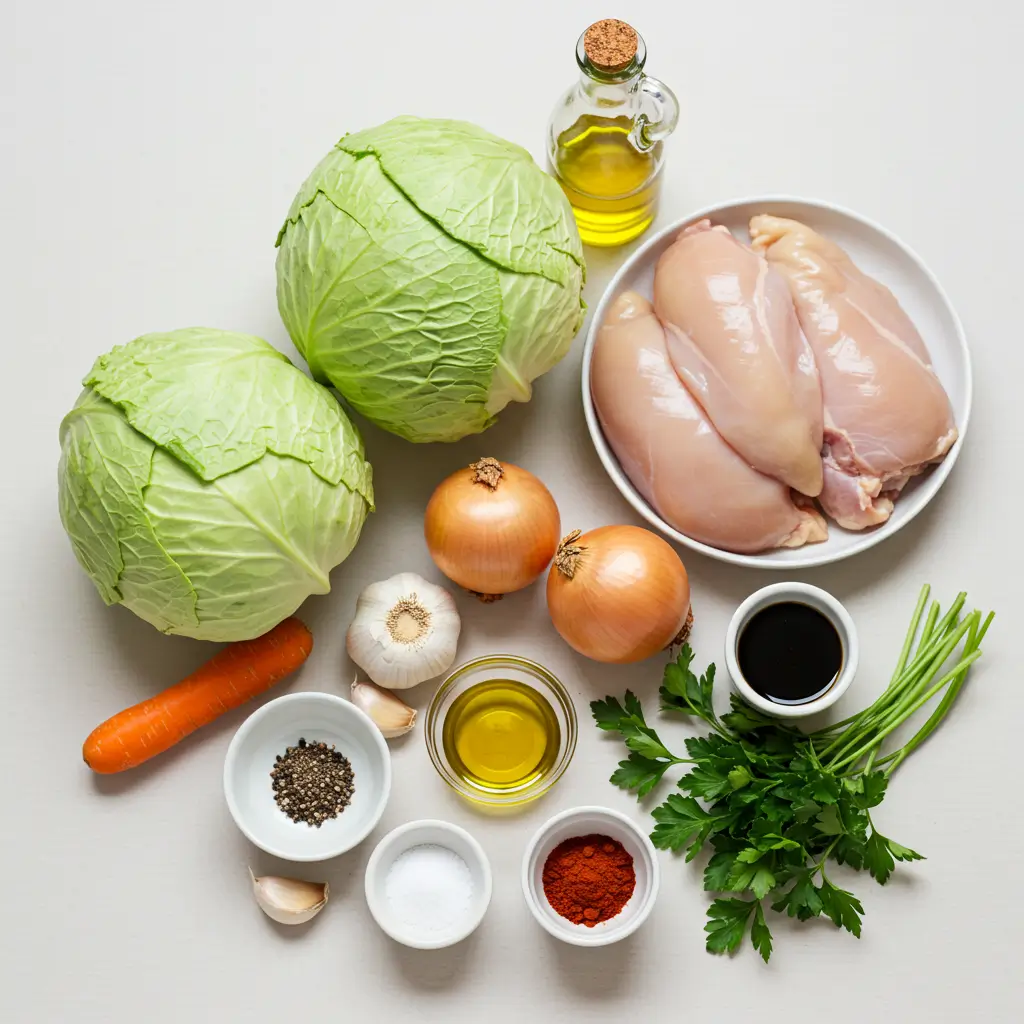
<point x="590" y="876"/>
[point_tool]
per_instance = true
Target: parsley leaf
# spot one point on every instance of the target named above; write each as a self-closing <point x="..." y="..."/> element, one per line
<point x="760" y="936"/>
<point x="716" y="874"/>
<point x="682" y="822"/>
<point x="727" y="922"/>
<point x="708" y="783"/>
<point x="681" y="690"/>
<point x="828" y="821"/>
<point x="880" y="855"/>
<point x="824" y="788"/>
<point x="644" y="740"/>
<point x="633" y="705"/>
<point x="608" y="713"/>
<point x="867" y="790"/>
<point x="903" y="852"/>
<point x="842" y="907"/>
<point x="715" y="750"/>
<point x="849" y="850"/>
<point x="639" y="773"/>
<point x="877" y="858"/>
<point x="805" y="809"/>
<point x="743" y="718"/>
<point x="802" y="900"/>
<point x="762" y="883"/>
<point x="629" y="721"/>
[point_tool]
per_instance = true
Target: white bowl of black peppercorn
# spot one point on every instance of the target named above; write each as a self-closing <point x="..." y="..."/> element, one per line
<point x="307" y="776"/>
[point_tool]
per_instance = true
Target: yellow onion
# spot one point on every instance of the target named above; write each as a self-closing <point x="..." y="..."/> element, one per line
<point x="492" y="527"/>
<point x="618" y="594"/>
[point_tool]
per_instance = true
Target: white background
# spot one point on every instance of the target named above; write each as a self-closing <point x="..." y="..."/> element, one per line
<point x="150" y="154"/>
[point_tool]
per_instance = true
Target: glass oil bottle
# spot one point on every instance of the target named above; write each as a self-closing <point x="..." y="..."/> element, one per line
<point x="605" y="137"/>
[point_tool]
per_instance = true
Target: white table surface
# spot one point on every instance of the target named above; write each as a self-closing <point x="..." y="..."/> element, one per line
<point x="151" y="152"/>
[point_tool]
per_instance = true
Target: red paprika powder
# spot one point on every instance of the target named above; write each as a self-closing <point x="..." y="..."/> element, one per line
<point x="589" y="879"/>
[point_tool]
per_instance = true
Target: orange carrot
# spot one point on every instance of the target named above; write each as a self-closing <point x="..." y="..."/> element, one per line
<point x="231" y="677"/>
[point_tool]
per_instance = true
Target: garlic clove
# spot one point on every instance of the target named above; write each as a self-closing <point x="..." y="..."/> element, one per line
<point x="392" y="715"/>
<point x="289" y="900"/>
<point x="405" y="631"/>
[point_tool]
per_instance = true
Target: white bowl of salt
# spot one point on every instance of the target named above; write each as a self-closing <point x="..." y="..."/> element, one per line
<point x="428" y="884"/>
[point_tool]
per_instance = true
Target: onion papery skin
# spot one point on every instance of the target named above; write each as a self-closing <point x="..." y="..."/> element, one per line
<point x="492" y="540"/>
<point x="627" y="599"/>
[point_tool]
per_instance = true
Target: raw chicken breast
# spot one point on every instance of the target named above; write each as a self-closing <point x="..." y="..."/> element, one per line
<point x="887" y="416"/>
<point x="735" y="341"/>
<point x="671" y="452"/>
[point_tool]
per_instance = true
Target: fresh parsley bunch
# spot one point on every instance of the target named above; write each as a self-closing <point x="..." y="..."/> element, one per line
<point x="777" y="805"/>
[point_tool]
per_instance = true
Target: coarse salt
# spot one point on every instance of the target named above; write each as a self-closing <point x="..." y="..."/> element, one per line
<point x="429" y="888"/>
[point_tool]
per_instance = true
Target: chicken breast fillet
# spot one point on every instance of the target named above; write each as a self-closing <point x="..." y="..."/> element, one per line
<point x="671" y="452"/>
<point x="887" y="416"/>
<point x="735" y="341"/>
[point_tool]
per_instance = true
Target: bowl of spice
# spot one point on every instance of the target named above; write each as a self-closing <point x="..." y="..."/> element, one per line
<point x="428" y="884"/>
<point x="590" y="876"/>
<point x="307" y="776"/>
<point x="501" y="730"/>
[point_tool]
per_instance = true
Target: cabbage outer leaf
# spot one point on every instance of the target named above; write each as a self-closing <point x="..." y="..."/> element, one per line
<point x="517" y="216"/>
<point x="404" y="320"/>
<point x="430" y="271"/>
<point x="219" y="400"/>
<point x="105" y="469"/>
<point x="211" y="486"/>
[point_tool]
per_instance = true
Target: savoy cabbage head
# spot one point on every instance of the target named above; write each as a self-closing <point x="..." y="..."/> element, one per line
<point x="430" y="271"/>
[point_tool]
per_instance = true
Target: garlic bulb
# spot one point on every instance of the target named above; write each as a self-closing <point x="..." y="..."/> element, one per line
<point x="405" y="631"/>
<point x="390" y="714"/>
<point x="289" y="900"/>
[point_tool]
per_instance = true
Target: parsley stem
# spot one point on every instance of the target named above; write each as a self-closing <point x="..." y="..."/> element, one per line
<point x="929" y="625"/>
<point x="920" y="702"/>
<point x="973" y="644"/>
<point x="893" y="703"/>
<point x="908" y="644"/>
<point x="939" y="658"/>
<point x="820" y="866"/>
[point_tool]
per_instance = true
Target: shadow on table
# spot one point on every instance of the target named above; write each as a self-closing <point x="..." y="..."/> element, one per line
<point x="435" y="970"/>
<point x="597" y="974"/>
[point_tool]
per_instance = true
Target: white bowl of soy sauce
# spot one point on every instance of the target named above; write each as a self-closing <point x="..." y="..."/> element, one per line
<point x="791" y="650"/>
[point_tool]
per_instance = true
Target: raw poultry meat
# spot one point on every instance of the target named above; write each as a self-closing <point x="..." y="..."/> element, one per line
<point x="887" y="416"/>
<point x="671" y="452"/>
<point x="735" y="341"/>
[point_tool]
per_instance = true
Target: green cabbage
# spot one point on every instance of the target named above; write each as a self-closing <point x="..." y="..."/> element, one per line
<point x="430" y="271"/>
<point x="209" y="485"/>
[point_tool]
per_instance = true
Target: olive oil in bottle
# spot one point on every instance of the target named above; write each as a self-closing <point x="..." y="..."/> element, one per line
<point x="605" y="137"/>
<point x="611" y="185"/>
<point x="500" y="735"/>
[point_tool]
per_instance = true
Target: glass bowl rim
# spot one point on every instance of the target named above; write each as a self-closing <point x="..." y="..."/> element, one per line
<point x="562" y="701"/>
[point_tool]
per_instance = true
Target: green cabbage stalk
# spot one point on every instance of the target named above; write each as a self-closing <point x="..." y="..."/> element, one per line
<point x="209" y="485"/>
<point x="430" y="272"/>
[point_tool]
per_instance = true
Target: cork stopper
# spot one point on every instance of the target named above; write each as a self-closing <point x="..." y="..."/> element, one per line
<point x="610" y="44"/>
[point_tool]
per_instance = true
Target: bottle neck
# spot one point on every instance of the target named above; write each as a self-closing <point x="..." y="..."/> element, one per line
<point x="609" y="94"/>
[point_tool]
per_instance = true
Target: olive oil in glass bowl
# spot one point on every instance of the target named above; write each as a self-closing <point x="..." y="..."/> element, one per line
<point x="501" y="730"/>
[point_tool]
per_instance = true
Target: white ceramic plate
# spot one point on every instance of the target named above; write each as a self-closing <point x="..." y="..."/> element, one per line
<point x="878" y="253"/>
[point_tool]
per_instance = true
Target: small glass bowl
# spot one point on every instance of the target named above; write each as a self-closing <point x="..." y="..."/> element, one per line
<point x="521" y="670"/>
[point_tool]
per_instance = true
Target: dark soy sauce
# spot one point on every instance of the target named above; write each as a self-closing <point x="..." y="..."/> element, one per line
<point x="790" y="653"/>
